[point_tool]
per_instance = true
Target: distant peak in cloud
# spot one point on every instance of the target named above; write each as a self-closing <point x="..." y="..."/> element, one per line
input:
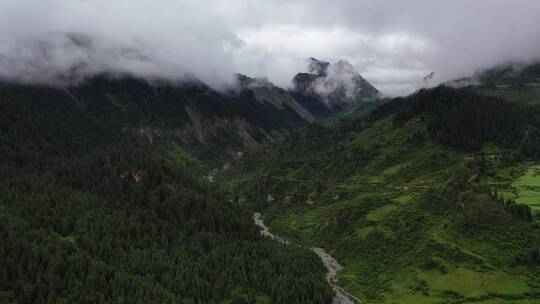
<point x="318" y="67"/>
<point x="337" y="85"/>
<point x="392" y="43"/>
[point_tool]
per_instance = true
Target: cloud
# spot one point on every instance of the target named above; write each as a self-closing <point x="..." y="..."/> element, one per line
<point x="75" y="39"/>
<point x="338" y="76"/>
<point x="393" y="43"/>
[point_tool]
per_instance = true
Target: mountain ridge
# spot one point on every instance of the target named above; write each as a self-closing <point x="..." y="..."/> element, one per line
<point x="193" y="113"/>
<point x="512" y="73"/>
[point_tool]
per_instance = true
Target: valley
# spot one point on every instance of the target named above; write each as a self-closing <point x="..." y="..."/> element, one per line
<point x="332" y="266"/>
<point x="429" y="198"/>
<point x="406" y="208"/>
<point x="105" y="198"/>
<point x="270" y="152"/>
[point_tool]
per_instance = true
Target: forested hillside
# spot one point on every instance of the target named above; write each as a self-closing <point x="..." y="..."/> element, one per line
<point x="417" y="199"/>
<point x="105" y="197"/>
<point x="464" y="120"/>
<point x="190" y="113"/>
<point x="100" y="202"/>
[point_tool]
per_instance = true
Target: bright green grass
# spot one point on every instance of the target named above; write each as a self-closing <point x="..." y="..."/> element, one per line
<point x="528" y="188"/>
<point x="471" y="283"/>
<point x="380" y="213"/>
<point x="408" y="289"/>
<point x="418" y="286"/>
<point x="390" y="171"/>
<point x="69" y="239"/>
<point x="405" y="198"/>
<point x="178" y="154"/>
<point x="364" y="231"/>
<point x="520" y="183"/>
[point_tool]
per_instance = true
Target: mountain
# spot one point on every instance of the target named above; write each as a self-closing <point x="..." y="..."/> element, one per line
<point x="267" y="93"/>
<point x="430" y="198"/>
<point x="119" y="189"/>
<point x="428" y="78"/>
<point x="501" y="75"/>
<point x="518" y="82"/>
<point x="108" y="194"/>
<point x="104" y="198"/>
<point x="336" y="85"/>
<point x="216" y="124"/>
<point x="510" y="73"/>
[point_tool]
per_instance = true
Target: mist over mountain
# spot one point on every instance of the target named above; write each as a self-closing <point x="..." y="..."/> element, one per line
<point x="258" y="152"/>
<point x="337" y="85"/>
<point x="393" y="45"/>
<point x="512" y="73"/>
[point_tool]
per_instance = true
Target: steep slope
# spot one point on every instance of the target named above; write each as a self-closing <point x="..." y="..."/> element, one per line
<point x="215" y="124"/>
<point x="336" y="85"/>
<point x="265" y="92"/>
<point x="314" y="105"/>
<point x="100" y="201"/>
<point x="405" y="198"/>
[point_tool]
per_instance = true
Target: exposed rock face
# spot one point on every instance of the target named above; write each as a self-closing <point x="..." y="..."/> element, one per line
<point x="429" y="76"/>
<point x="266" y="92"/>
<point x="303" y="82"/>
<point x="336" y="85"/>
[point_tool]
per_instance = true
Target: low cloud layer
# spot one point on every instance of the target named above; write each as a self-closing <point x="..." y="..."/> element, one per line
<point x="393" y="43"/>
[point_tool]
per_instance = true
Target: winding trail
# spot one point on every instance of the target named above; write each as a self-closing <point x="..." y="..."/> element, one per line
<point x="332" y="266"/>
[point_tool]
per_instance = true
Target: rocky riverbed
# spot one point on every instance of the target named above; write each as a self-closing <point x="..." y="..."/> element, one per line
<point x="332" y="266"/>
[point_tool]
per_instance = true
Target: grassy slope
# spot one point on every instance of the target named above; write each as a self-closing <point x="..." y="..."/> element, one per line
<point x="520" y="182"/>
<point x="379" y="201"/>
<point x="528" y="187"/>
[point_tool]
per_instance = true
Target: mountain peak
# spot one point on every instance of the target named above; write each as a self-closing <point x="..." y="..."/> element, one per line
<point x="318" y="67"/>
<point x="337" y="85"/>
<point x="266" y="92"/>
<point x="344" y="67"/>
<point x="249" y="82"/>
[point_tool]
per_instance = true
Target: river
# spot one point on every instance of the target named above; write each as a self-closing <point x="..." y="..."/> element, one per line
<point x="332" y="266"/>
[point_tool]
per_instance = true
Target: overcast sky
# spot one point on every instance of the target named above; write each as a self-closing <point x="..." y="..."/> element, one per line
<point x="393" y="43"/>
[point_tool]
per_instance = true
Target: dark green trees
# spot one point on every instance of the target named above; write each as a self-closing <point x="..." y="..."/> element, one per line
<point x="92" y="212"/>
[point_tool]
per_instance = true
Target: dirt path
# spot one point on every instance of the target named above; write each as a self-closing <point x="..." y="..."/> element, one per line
<point x="332" y="266"/>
